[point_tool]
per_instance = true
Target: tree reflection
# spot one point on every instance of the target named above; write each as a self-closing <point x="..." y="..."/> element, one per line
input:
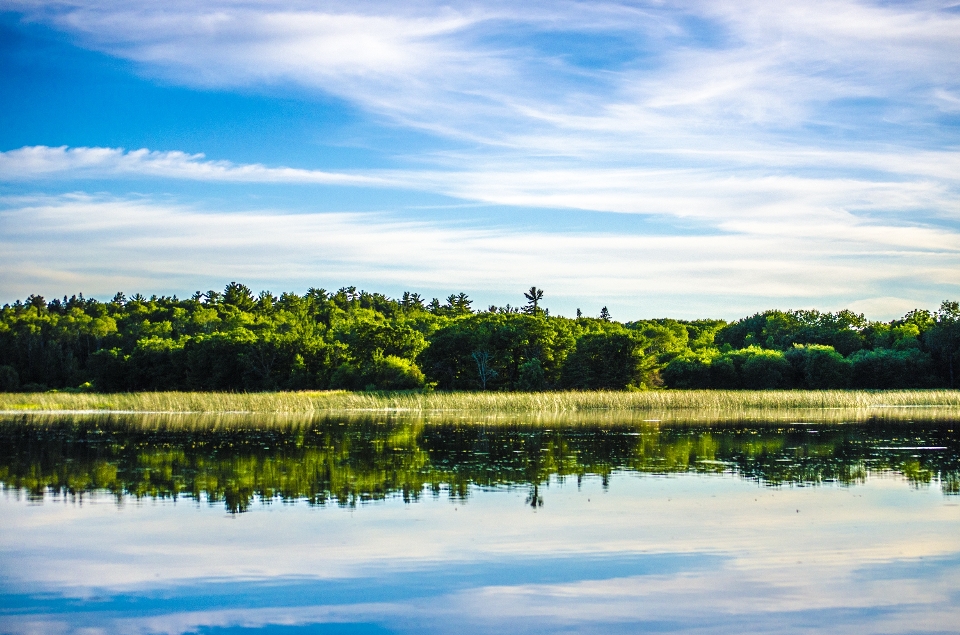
<point x="347" y="462"/>
<point x="534" y="499"/>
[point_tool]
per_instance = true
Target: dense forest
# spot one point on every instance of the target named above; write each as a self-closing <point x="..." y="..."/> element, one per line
<point x="238" y="341"/>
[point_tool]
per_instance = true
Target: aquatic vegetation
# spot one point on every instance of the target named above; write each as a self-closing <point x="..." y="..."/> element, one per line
<point x="732" y="402"/>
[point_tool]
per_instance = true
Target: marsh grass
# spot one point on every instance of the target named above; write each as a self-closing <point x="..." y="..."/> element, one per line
<point x="660" y="404"/>
<point x="634" y="419"/>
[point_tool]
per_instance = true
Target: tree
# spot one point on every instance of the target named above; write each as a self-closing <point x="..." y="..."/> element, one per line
<point x="411" y="301"/>
<point x="533" y="296"/>
<point x="531" y="376"/>
<point x="485" y="371"/>
<point x="943" y="338"/>
<point x="238" y="295"/>
<point x="459" y="304"/>
<point x="611" y="361"/>
<point x="231" y="340"/>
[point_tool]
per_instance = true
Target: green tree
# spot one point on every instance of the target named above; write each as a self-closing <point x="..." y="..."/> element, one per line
<point x="611" y="361"/>
<point x="943" y="337"/>
<point x="820" y="366"/>
<point x="765" y="369"/>
<point x="533" y="296"/>
<point x="239" y="295"/>
<point x="532" y="377"/>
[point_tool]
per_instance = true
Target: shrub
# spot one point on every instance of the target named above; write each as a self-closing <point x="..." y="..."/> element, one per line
<point x="765" y="369"/>
<point x="687" y="372"/>
<point x="885" y="368"/>
<point x="819" y="366"/>
<point x="395" y="373"/>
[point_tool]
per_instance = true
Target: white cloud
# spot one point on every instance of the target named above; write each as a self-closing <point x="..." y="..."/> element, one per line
<point x="740" y="118"/>
<point x="101" y="245"/>
<point x="721" y="198"/>
<point x="700" y="72"/>
<point x="63" y="162"/>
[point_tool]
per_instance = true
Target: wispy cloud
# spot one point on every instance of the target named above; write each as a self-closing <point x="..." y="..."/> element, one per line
<point x="810" y="146"/>
<point x="689" y="72"/>
<point x="752" y="199"/>
<point x="39" y="162"/>
<point x="52" y="244"/>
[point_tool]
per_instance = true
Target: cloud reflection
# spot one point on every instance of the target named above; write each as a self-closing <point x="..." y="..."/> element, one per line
<point x="685" y="553"/>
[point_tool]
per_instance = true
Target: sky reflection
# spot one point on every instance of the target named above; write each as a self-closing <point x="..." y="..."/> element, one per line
<point x="685" y="553"/>
<point x="402" y="526"/>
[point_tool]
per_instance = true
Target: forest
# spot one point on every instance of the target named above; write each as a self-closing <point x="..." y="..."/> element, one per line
<point x="238" y="341"/>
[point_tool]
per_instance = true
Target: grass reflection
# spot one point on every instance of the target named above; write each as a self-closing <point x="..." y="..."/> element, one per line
<point x="236" y="460"/>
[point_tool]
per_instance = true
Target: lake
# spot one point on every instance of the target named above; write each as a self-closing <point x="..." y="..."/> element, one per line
<point x="456" y="524"/>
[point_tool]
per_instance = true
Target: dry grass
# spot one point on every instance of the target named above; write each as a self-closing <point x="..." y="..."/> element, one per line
<point x="661" y="402"/>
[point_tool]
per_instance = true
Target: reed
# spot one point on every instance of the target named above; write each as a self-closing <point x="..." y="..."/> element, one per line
<point x="654" y="401"/>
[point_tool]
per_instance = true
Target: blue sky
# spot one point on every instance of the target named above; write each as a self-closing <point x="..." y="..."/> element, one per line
<point x="687" y="159"/>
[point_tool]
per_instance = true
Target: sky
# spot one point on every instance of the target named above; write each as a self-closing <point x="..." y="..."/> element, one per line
<point x="684" y="159"/>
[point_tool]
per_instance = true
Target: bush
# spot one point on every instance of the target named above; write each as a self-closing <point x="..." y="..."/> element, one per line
<point x="382" y="373"/>
<point x="766" y="369"/>
<point x="346" y="377"/>
<point x="107" y="367"/>
<point x="723" y="373"/>
<point x="820" y="366"/>
<point x="885" y="368"/>
<point x="687" y="372"/>
<point x="396" y="373"/>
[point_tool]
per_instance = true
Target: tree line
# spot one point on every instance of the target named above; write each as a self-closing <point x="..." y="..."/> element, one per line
<point x="238" y="341"/>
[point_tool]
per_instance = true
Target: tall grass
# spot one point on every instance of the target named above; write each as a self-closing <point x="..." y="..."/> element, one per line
<point x="606" y="418"/>
<point x="662" y="401"/>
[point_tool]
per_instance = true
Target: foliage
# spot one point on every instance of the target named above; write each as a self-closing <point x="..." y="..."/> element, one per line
<point x="237" y="341"/>
<point x="608" y="360"/>
<point x="814" y="350"/>
<point x="943" y="338"/>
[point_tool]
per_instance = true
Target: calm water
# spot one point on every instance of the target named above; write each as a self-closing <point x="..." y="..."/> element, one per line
<point x="153" y="525"/>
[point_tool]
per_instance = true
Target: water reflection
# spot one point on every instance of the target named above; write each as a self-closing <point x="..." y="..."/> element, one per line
<point x="478" y="527"/>
<point x="350" y="460"/>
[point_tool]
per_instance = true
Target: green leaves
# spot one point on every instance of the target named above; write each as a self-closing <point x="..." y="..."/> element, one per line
<point x="236" y="341"/>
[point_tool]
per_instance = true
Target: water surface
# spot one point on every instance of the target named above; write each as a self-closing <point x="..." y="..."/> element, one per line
<point x="138" y="524"/>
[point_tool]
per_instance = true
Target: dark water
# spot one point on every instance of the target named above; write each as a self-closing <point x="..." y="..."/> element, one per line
<point x="391" y="525"/>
